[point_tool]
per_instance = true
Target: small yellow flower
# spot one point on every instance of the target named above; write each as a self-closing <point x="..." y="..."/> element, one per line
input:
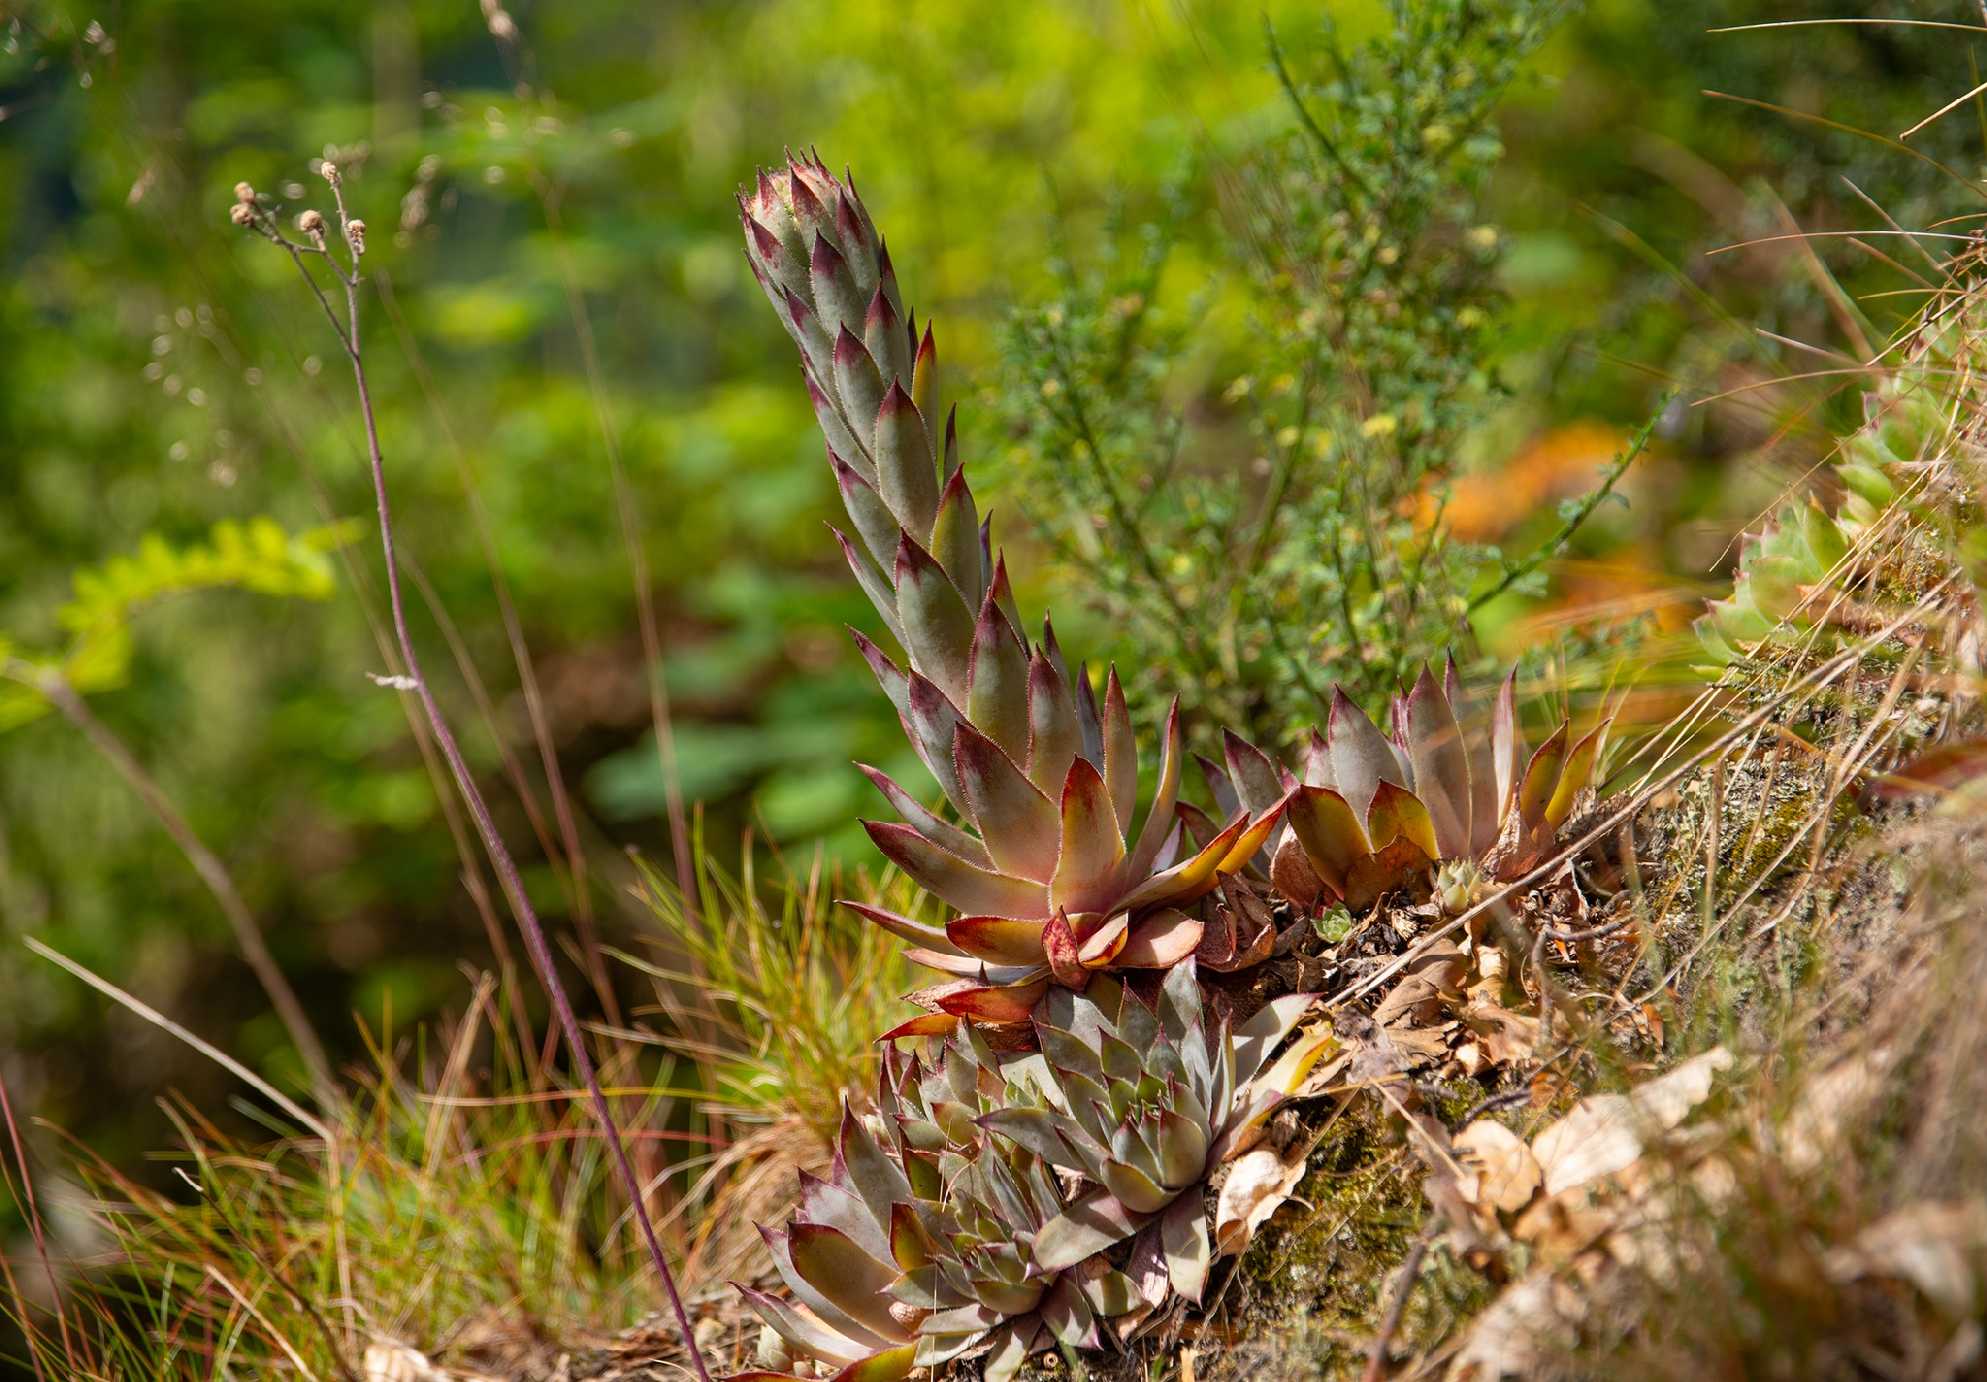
<point x="1483" y="238"/>
<point x="1051" y="387"/>
<point x="1287" y="438"/>
<point x="1380" y="425"/>
<point x="1436" y="137"/>
<point x="1388" y="255"/>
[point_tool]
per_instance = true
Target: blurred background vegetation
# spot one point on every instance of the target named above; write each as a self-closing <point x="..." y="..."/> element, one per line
<point x="559" y="287"/>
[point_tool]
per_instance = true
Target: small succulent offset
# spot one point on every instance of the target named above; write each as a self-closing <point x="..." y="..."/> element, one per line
<point x="1140" y="1105"/>
<point x="918" y="1248"/>
<point x="1789" y="570"/>
<point x="1372" y="812"/>
<point x="1051" y="880"/>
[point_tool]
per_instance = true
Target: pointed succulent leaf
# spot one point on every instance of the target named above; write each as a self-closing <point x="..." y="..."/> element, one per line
<point x="1441" y="765"/>
<point x="945" y="875"/>
<point x="916" y="932"/>
<point x="1255" y="778"/>
<point x="883" y="338"/>
<point x="1191" y="878"/>
<point x="1093" y="1221"/>
<point x="1059" y="945"/>
<point x="937" y="625"/>
<point x="826" y="1306"/>
<point x="1006" y="941"/>
<point x="940" y="832"/>
<point x="924" y="382"/>
<point x="1159" y="820"/>
<point x="1120" y="761"/>
<point x="1535" y="790"/>
<point x="997" y="682"/>
<point x="1161" y="940"/>
<point x="1089" y="872"/>
<point x="1507" y="748"/>
<point x="1001" y="1004"/>
<point x="1361" y="756"/>
<point x="906" y="472"/>
<point x="1576" y="776"/>
<point x="955" y="539"/>
<point x="874" y="522"/>
<point x="874" y="584"/>
<point x="1480" y="744"/>
<point x="1184" y="1241"/>
<point x="1398" y="813"/>
<point x="1182" y="1149"/>
<point x="842" y="440"/>
<point x="1055" y="740"/>
<point x="803" y="1333"/>
<point x="858" y="390"/>
<point x="1330" y="832"/>
<point x="1022" y="828"/>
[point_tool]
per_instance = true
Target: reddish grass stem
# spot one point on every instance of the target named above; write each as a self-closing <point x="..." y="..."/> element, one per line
<point x="533" y="932"/>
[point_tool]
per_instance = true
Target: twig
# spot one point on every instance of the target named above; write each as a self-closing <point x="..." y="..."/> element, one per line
<point x="540" y="950"/>
<point x="1324" y="141"/>
<point x="55" y="688"/>
<point x="1376" y="1355"/>
<point x="1557" y="542"/>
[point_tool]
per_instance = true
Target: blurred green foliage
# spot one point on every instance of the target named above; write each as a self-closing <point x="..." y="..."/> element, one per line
<point x="556" y="269"/>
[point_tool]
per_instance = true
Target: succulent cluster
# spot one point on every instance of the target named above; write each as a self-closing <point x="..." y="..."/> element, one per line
<point x="917" y="1249"/>
<point x="1050" y="878"/>
<point x="1041" y="1173"/>
<point x="1893" y="458"/>
<point x="1139" y="1106"/>
<point x="976" y="1212"/>
<point x="1371" y="811"/>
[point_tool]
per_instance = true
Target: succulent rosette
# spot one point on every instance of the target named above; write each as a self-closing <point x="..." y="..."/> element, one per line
<point x="1052" y="871"/>
<point x="1140" y="1105"/>
<point x="1788" y="570"/>
<point x="1373" y="811"/>
<point x="918" y="1247"/>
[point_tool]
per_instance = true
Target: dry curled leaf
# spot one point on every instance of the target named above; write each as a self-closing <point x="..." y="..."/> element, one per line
<point x="1939" y="1247"/>
<point x="1501" y="1171"/>
<point x="1258" y="1183"/>
<point x="1604" y="1134"/>
<point x="391" y="1362"/>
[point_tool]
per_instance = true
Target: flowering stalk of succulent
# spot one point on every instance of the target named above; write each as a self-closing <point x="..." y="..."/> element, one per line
<point x="1373" y="812"/>
<point x="919" y="1247"/>
<point x="1142" y="1104"/>
<point x="1054" y="876"/>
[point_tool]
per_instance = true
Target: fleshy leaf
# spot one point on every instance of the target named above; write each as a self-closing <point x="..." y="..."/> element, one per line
<point x="937" y="625"/>
<point x="1441" y="765"/>
<point x="963" y="886"/>
<point x="1093" y="1222"/>
<point x="1398" y="813"/>
<point x="1329" y="830"/>
<point x="1021" y="828"/>
<point x="1089" y="873"/>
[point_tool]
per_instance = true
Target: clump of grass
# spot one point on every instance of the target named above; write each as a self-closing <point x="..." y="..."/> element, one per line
<point x="778" y="1000"/>
<point x="457" y="1205"/>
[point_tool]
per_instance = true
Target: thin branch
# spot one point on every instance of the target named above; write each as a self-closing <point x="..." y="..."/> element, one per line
<point x="1557" y="542"/>
<point x="1311" y="127"/>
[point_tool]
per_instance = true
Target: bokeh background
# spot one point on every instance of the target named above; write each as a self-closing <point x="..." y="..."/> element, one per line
<point x="556" y="257"/>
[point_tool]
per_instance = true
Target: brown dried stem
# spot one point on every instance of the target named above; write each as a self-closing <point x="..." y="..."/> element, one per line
<point x="347" y="330"/>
